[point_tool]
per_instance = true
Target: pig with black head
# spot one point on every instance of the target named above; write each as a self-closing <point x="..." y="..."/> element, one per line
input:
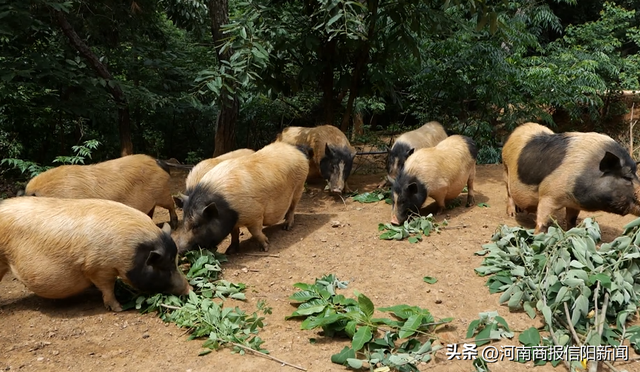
<point x="427" y="135"/>
<point x="546" y="172"/>
<point x="333" y="155"/>
<point x="60" y="247"/>
<point x="439" y="172"/>
<point x="260" y="189"/>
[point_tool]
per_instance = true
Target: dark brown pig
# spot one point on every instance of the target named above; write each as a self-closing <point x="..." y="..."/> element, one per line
<point x="60" y="247"/>
<point x="138" y="181"/>
<point x="546" y="172"/>
<point x="440" y="172"/>
<point x="332" y="153"/>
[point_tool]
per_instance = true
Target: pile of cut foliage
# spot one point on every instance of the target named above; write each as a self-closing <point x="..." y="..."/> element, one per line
<point x="198" y="311"/>
<point x="585" y="293"/>
<point x="398" y="343"/>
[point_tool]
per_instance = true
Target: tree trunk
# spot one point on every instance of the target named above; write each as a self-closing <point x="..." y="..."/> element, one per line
<point x="225" y="138"/>
<point x="361" y="63"/>
<point x="124" y="123"/>
<point x="326" y="52"/>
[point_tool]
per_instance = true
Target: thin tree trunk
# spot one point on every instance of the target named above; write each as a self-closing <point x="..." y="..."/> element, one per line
<point x="225" y="139"/>
<point x="361" y="63"/>
<point x="326" y="52"/>
<point x="124" y="123"/>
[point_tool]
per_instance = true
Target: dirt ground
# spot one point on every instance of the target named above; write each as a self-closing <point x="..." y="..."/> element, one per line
<point x="78" y="334"/>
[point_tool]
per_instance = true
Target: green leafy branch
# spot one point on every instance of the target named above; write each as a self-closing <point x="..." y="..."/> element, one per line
<point x="414" y="228"/>
<point x="337" y="315"/>
<point x="373" y="196"/>
<point x="586" y="295"/>
<point x="198" y="311"/>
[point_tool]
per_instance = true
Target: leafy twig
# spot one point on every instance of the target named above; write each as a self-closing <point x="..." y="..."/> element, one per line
<point x="258" y="353"/>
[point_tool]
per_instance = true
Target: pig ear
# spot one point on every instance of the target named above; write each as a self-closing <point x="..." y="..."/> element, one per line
<point x="180" y="199"/>
<point x="410" y="152"/>
<point x="153" y="258"/>
<point x="210" y="211"/>
<point x="610" y="163"/>
<point x="166" y="228"/>
<point x="327" y="150"/>
<point x="412" y="188"/>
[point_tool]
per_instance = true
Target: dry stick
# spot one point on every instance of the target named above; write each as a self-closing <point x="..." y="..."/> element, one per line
<point x="631" y="125"/>
<point x="170" y="307"/>
<point x="262" y="255"/>
<point x="593" y="367"/>
<point x="553" y="336"/>
<point x="256" y="352"/>
<point x="573" y="331"/>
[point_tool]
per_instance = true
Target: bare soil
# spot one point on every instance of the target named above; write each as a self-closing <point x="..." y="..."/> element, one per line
<point x="78" y="334"/>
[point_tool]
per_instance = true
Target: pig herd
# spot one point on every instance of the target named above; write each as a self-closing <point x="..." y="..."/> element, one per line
<point x="83" y="225"/>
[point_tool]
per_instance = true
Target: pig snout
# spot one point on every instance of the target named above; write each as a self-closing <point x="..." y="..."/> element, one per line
<point x="336" y="184"/>
<point x="394" y="219"/>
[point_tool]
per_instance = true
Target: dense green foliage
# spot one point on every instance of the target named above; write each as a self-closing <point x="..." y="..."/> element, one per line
<point x="585" y="294"/>
<point x="478" y="66"/>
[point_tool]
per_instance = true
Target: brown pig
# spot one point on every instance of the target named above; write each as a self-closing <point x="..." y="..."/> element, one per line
<point x="60" y="247"/>
<point x="206" y="165"/>
<point x="427" y="135"/>
<point x="546" y="172"/>
<point x="332" y="153"/>
<point x="440" y="172"/>
<point x="138" y="181"/>
<point x="251" y="191"/>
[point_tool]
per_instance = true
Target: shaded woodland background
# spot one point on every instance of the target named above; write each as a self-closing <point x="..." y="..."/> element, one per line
<point x="188" y="79"/>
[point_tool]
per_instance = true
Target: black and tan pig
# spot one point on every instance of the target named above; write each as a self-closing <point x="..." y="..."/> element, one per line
<point x="427" y="135"/>
<point x="251" y="191"/>
<point x="60" y="247"/>
<point x="546" y="172"/>
<point x="439" y="172"/>
<point x="332" y="153"/>
<point x="196" y="174"/>
<point x="138" y="181"/>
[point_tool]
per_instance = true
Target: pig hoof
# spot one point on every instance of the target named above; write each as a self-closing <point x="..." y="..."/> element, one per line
<point x="114" y="307"/>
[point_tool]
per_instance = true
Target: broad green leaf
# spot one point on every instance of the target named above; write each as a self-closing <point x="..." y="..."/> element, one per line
<point x="411" y="325"/>
<point x="365" y="305"/>
<point x="429" y="279"/>
<point x="342" y="356"/>
<point x="530" y="337"/>
<point x="362" y="336"/>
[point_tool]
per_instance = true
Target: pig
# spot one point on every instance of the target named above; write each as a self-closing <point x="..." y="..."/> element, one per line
<point x="196" y="174"/>
<point x="60" y="247"/>
<point x="427" y="135"/>
<point x="251" y="191"/>
<point x="332" y="153"/>
<point x="546" y="171"/>
<point x="440" y="172"/>
<point x="138" y="181"/>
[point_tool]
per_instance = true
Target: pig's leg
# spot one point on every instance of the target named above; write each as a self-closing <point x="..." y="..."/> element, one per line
<point x="4" y="268"/>
<point x="235" y="241"/>
<point x="547" y="208"/>
<point x="441" y="204"/>
<point x="106" y="286"/>
<point x="471" y="195"/>
<point x="256" y="231"/>
<point x="166" y="202"/>
<point x="289" y="217"/>
<point x="572" y="217"/>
